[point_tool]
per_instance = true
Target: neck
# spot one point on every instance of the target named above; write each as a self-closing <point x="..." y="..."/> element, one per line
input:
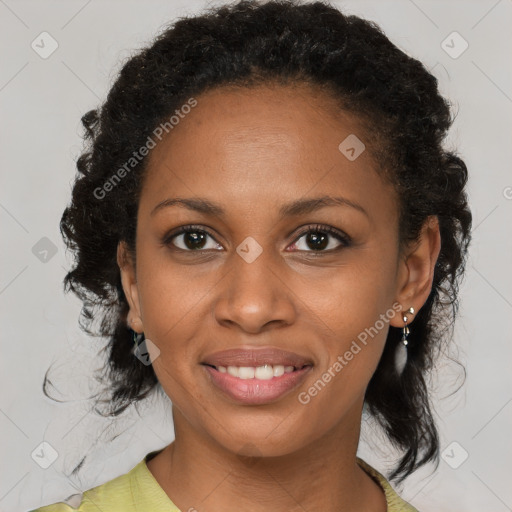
<point x="199" y="474"/>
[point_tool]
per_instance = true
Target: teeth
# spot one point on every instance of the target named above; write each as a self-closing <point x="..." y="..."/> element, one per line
<point x="278" y="370"/>
<point x="245" y="372"/>
<point x="265" y="372"/>
<point x="233" y="370"/>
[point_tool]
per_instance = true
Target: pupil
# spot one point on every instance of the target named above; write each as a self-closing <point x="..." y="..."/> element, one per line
<point x="318" y="241"/>
<point x="194" y="240"/>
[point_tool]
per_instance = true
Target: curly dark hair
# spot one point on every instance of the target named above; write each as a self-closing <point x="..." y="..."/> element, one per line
<point x="279" y="41"/>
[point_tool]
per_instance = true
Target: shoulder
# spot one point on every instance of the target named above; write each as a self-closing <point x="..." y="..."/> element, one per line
<point x="108" y="496"/>
<point x="394" y="502"/>
<point x="135" y="491"/>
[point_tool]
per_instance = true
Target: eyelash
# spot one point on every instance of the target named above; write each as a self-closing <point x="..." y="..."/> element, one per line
<point x="312" y="228"/>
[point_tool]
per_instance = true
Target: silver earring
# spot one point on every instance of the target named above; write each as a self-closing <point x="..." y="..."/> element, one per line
<point x="401" y="349"/>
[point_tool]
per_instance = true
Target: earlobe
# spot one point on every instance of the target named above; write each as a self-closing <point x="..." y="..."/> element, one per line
<point x="418" y="268"/>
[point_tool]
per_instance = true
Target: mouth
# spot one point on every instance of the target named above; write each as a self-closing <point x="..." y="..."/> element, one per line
<point x="256" y="376"/>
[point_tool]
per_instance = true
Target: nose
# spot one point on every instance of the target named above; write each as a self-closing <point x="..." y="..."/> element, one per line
<point x="254" y="297"/>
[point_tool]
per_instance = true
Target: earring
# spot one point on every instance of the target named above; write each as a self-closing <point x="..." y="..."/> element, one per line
<point x="137" y="339"/>
<point x="401" y="349"/>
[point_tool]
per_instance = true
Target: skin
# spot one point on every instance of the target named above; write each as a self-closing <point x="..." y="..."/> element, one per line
<point x="251" y="151"/>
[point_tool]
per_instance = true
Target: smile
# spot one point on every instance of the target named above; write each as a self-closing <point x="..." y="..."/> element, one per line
<point x="256" y="385"/>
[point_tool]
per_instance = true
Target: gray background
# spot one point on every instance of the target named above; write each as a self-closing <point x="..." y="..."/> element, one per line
<point x="41" y="102"/>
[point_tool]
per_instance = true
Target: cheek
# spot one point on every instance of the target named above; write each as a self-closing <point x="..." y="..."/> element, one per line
<point x="173" y="302"/>
<point x="352" y="347"/>
<point x="351" y="297"/>
<point x="351" y="309"/>
<point x="170" y="293"/>
<point x="187" y="398"/>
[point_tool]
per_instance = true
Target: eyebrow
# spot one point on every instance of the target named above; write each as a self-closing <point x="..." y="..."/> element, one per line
<point x="295" y="208"/>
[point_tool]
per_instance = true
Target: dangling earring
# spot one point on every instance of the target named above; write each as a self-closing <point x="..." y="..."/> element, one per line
<point x="137" y="339"/>
<point x="401" y="349"/>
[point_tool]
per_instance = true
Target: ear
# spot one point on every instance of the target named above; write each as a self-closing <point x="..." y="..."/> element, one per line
<point x="129" y="282"/>
<point x="416" y="272"/>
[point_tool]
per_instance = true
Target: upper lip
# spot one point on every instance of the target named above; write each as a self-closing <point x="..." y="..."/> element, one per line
<point x="256" y="357"/>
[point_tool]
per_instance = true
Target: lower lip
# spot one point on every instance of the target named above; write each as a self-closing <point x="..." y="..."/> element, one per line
<point x="256" y="391"/>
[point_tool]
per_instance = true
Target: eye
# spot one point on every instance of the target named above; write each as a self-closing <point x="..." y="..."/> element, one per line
<point x="192" y="238"/>
<point x="318" y="238"/>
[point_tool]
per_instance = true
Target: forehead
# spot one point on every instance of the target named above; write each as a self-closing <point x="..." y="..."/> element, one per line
<point x="261" y="144"/>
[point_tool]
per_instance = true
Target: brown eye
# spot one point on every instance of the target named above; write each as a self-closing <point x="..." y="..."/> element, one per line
<point x="321" y="239"/>
<point x="191" y="239"/>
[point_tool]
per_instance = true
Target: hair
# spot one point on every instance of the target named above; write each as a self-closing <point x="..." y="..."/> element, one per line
<point x="285" y="42"/>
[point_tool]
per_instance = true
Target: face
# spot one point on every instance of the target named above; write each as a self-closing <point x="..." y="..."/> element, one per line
<point x="267" y="268"/>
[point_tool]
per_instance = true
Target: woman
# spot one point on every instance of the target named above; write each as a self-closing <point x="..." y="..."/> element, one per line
<point x="274" y="234"/>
